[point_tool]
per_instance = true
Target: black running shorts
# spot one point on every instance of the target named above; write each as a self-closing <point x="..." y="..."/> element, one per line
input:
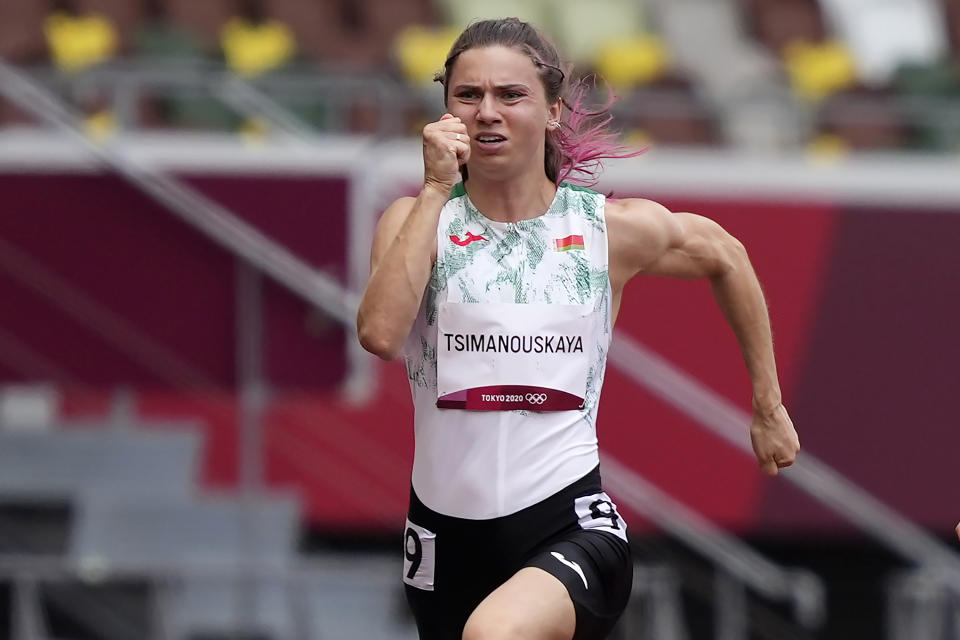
<point x="452" y="564"/>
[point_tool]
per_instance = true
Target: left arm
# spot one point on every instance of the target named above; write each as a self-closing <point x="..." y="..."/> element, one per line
<point x="647" y="238"/>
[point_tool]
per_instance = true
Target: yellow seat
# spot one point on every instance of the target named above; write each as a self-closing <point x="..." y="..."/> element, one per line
<point x="100" y="125"/>
<point x="421" y="52"/>
<point x="77" y="42"/>
<point x="253" y="49"/>
<point x="827" y="148"/>
<point x="582" y="29"/>
<point x="629" y="62"/>
<point x="817" y="70"/>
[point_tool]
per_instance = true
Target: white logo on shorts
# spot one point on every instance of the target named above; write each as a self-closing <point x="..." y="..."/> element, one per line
<point x="573" y="565"/>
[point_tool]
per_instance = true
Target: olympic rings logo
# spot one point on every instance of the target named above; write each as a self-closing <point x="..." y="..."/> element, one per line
<point x="536" y="398"/>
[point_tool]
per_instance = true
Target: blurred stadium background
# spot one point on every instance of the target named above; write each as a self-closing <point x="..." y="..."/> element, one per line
<point x="193" y="446"/>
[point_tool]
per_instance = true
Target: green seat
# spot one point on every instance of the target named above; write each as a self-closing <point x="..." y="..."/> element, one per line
<point x="932" y="94"/>
<point x="583" y="29"/>
<point x="459" y="13"/>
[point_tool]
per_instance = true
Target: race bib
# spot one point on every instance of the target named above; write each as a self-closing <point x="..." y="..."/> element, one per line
<point x="496" y="357"/>
<point x="419" y="556"/>
<point x="600" y="513"/>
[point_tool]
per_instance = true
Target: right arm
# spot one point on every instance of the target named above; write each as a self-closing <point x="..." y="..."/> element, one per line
<point x="405" y="245"/>
<point x="402" y="257"/>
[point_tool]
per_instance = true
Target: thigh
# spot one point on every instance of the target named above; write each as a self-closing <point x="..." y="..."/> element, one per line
<point x="447" y="572"/>
<point x="533" y="605"/>
<point x="439" y="615"/>
<point x="596" y="568"/>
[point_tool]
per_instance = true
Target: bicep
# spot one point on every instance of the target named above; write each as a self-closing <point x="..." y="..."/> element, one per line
<point x="700" y="248"/>
<point x="388" y="228"/>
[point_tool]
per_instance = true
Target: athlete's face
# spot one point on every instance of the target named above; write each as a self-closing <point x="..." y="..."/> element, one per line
<point x="498" y="94"/>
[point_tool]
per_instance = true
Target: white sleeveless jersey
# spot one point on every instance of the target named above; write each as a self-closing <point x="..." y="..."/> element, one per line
<point x="487" y="464"/>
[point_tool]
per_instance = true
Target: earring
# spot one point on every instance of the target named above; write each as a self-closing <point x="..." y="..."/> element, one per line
<point x="554" y="123"/>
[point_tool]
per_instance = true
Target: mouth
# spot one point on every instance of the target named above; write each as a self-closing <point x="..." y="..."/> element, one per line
<point x="489" y="141"/>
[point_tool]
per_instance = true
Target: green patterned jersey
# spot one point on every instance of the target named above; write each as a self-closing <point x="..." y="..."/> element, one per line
<point x="484" y="464"/>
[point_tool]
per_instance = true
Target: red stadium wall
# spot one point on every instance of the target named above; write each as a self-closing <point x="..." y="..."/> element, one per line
<point x="101" y="280"/>
<point x="862" y="302"/>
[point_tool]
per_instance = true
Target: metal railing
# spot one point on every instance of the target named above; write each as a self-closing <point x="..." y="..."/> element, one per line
<point x="738" y="564"/>
<point x="814" y="477"/>
<point x="207" y="216"/>
<point x="329" y="99"/>
<point x="29" y="575"/>
<point x="919" y="606"/>
<point x="334" y="96"/>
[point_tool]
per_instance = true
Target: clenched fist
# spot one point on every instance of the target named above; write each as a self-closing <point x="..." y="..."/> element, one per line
<point x="775" y="441"/>
<point x="446" y="146"/>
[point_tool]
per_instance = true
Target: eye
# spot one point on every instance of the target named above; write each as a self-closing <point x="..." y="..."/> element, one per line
<point x="467" y="94"/>
<point x="512" y="95"/>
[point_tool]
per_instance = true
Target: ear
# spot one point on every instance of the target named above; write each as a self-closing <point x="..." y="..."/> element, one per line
<point x="554" y="112"/>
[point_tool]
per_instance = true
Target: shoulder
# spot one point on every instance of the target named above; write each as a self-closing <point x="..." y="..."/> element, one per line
<point x="640" y="228"/>
<point x="393" y="218"/>
<point x="638" y="212"/>
<point x="388" y="227"/>
<point x="647" y="237"/>
<point x="397" y="212"/>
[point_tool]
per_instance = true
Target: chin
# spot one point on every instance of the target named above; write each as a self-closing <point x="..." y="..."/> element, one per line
<point x="504" y="163"/>
<point x="492" y="170"/>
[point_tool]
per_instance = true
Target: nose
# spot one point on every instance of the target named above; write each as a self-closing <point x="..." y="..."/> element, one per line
<point x="487" y="109"/>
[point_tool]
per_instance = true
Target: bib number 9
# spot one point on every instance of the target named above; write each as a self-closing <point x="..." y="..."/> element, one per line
<point x="419" y="556"/>
<point x="599" y="512"/>
<point x="413" y="552"/>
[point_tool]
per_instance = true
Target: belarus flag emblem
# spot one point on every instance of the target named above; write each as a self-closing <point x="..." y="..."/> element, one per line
<point x="569" y="243"/>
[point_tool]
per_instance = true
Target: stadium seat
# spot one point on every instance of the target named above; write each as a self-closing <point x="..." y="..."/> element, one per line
<point x="252" y="49"/>
<point x="203" y="545"/>
<point x="173" y="531"/>
<point x="776" y="23"/>
<point x="67" y="464"/>
<point x="738" y="80"/>
<point x="882" y="36"/>
<point x="706" y="41"/>
<point x="817" y="70"/>
<point x="860" y="119"/>
<point x="78" y="42"/>
<point x="459" y="13"/>
<point x="933" y="97"/>
<point x="21" y="32"/>
<point x="421" y="52"/>
<point x="204" y="19"/>
<point x="583" y="29"/>
<point x="631" y="61"/>
<point x="353" y="37"/>
<point x="668" y="113"/>
<point x="159" y="37"/>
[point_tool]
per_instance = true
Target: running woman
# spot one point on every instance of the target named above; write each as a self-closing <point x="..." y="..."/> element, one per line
<point x="499" y="285"/>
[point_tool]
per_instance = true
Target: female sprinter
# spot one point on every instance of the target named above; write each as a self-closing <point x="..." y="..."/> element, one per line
<point x="500" y="293"/>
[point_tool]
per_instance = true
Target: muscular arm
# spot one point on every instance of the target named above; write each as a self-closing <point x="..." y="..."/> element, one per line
<point x="648" y="239"/>
<point x="402" y="256"/>
<point x="706" y="250"/>
<point x="405" y="246"/>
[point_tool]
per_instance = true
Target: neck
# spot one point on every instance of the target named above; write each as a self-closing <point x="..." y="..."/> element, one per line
<point x="512" y="199"/>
